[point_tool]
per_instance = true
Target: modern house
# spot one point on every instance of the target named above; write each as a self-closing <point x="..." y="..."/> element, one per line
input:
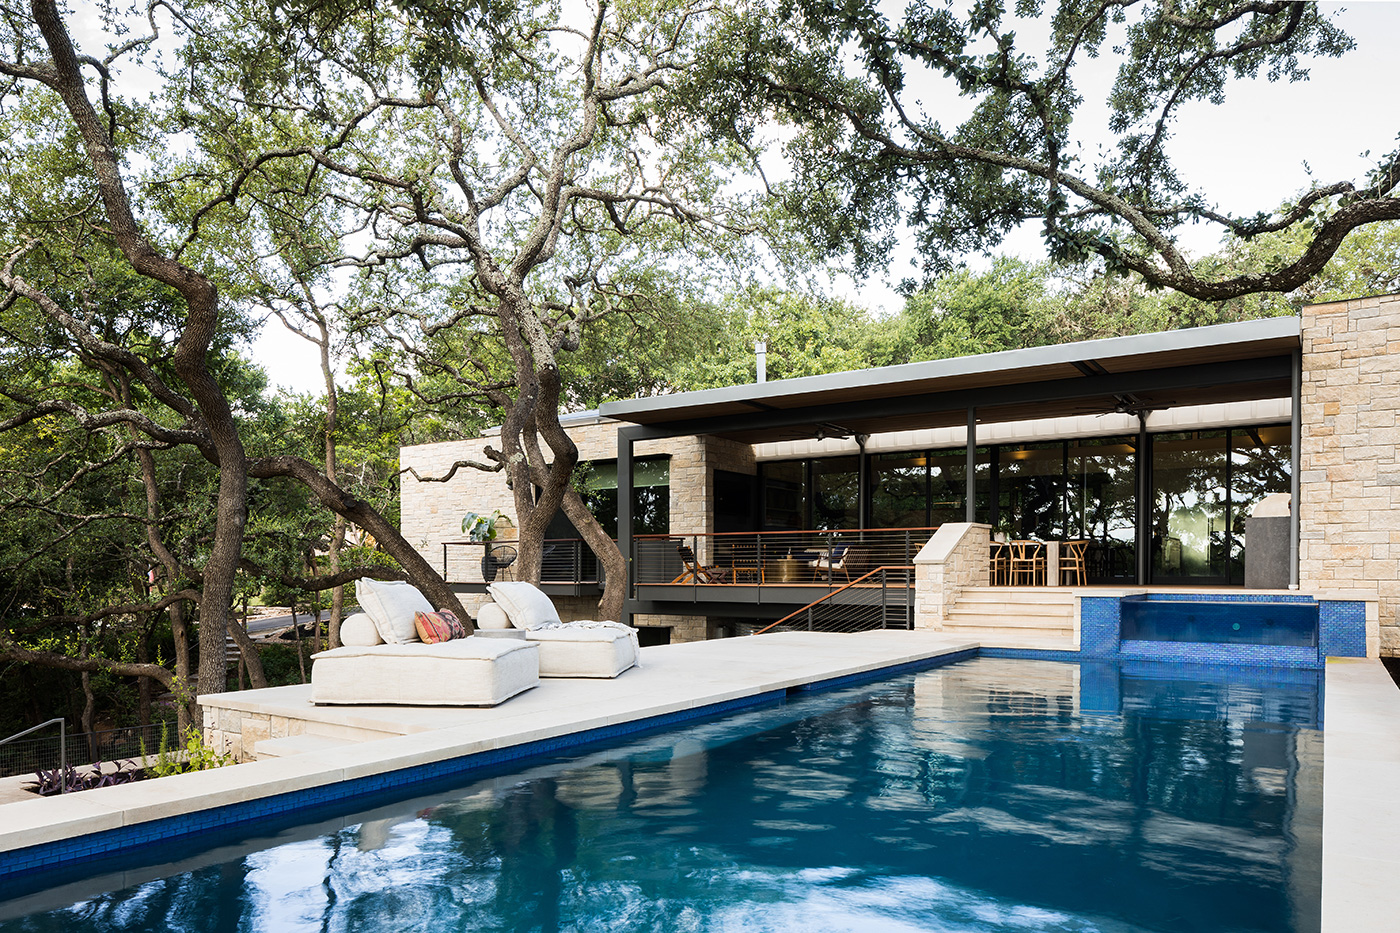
<point x="1172" y="456"/>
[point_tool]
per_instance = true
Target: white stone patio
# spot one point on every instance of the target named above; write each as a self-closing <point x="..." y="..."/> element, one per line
<point x="1361" y="824"/>
<point x="377" y="740"/>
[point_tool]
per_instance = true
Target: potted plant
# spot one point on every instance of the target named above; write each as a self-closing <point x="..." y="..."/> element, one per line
<point x="484" y="529"/>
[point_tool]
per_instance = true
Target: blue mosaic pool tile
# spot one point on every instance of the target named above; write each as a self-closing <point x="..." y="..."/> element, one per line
<point x="1342" y="628"/>
<point x="1221" y="654"/>
<point x="1229" y="597"/>
<point x="1030" y="654"/>
<point x="1100" y="690"/>
<point x="1099" y="620"/>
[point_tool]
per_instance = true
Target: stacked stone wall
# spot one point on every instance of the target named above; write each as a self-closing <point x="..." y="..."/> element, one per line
<point x="1349" y="481"/>
<point x="955" y="558"/>
<point x="431" y="512"/>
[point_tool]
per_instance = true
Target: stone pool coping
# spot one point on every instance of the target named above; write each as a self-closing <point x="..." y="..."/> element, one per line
<point x="1360" y="809"/>
<point x="1361" y="824"/>
<point x="672" y="679"/>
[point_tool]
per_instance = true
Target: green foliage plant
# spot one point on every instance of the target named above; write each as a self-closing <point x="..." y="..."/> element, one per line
<point x="194" y="756"/>
<point x="482" y="527"/>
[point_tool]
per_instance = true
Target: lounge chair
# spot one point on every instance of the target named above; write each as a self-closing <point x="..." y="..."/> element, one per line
<point x="383" y="661"/>
<point x="695" y="572"/>
<point x="833" y="560"/>
<point x="584" y="648"/>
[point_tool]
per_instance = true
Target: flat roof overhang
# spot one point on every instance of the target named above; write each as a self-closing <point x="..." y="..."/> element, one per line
<point x="1222" y="363"/>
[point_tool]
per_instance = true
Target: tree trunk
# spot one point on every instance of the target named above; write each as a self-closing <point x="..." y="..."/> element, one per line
<point x="420" y="573"/>
<point x="190" y="360"/>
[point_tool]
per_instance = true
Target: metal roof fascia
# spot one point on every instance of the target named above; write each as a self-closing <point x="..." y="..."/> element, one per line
<point x="1215" y="335"/>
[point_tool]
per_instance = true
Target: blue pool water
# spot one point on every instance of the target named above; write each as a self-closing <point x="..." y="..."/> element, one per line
<point x="991" y="795"/>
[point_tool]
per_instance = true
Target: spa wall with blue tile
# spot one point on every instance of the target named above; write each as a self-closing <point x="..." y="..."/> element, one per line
<point x="1341" y="633"/>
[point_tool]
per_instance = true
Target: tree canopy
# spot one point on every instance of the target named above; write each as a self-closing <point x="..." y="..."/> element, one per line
<point x="966" y="122"/>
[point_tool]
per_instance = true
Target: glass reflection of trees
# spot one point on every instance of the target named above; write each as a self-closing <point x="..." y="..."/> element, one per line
<point x="1204" y="485"/>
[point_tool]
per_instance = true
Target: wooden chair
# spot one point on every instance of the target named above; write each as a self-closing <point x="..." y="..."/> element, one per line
<point x="695" y="571"/>
<point x="834" y="559"/>
<point x="1027" y="563"/>
<point x="1001" y="564"/>
<point x="1073" y="563"/>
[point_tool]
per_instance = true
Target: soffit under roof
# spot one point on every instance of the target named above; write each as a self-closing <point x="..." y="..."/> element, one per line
<point x="1222" y="363"/>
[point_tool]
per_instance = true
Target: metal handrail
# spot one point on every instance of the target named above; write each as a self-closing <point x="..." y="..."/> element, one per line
<point x="62" y="746"/>
<point x="809" y="606"/>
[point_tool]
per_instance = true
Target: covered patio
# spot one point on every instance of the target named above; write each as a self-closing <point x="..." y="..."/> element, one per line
<point x="1050" y="445"/>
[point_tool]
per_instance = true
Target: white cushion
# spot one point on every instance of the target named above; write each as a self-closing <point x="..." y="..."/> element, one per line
<point x="526" y="605"/>
<point x="358" y="629"/>
<point x="585" y="650"/>
<point x="460" y="672"/>
<point x="492" y="616"/>
<point x="391" y="604"/>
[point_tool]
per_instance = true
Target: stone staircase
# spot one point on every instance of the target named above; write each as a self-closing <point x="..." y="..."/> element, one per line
<point x="1014" y="617"/>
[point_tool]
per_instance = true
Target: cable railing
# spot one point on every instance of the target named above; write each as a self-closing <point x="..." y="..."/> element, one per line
<point x="826" y="558"/>
<point x="878" y="599"/>
<point x="563" y="560"/>
<point x="27" y="756"/>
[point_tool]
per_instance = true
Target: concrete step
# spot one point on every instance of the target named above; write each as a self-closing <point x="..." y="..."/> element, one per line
<point x="1047" y="596"/>
<point x="965" y="625"/>
<point x="296" y="745"/>
<point x="1014" y="609"/>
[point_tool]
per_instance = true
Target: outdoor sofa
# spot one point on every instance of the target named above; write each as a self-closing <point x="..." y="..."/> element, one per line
<point x="521" y="639"/>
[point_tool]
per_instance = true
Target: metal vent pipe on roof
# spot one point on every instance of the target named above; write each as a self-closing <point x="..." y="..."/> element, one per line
<point x="760" y="350"/>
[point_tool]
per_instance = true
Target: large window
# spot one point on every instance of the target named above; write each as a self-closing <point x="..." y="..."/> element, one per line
<point x="1204" y="485"/>
<point x="651" y="495"/>
<point x="1101" y="504"/>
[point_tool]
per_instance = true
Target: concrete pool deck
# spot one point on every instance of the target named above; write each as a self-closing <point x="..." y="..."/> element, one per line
<point x="1360" y="809"/>
<point x="1361" y="822"/>
<point x="671" y="679"/>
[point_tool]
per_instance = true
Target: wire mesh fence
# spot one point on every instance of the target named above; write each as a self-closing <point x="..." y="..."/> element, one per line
<point x="43" y="752"/>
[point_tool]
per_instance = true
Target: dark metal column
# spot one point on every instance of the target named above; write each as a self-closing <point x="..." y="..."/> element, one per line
<point x="971" y="509"/>
<point x="624" y="515"/>
<point x="1144" y="504"/>
<point x="1296" y="456"/>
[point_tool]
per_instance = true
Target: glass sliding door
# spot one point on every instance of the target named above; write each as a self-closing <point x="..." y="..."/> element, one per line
<point x="1190" y="507"/>
<point x="836" y="493"/>
<point x="1260" y="464"/>
<point x="785" y="495"/>
<point x="1030" y="490"/>
<point x="1101" y="505"/>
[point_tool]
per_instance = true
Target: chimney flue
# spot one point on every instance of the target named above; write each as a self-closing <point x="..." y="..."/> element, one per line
<point x="760" y="349"/>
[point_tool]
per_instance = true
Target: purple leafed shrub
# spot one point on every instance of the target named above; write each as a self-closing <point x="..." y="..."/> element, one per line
<point x="71" y="780"/>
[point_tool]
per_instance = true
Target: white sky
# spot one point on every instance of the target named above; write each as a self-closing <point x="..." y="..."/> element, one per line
<point x="1247" y="154"/>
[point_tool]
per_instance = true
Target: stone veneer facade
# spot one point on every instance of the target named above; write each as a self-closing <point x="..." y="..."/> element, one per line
<point x="1349" y="480"/>
<point x="957" y="557"/>
<point x="431" y="512"/>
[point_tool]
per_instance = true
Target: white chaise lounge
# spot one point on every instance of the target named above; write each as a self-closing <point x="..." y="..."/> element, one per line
<point x="382" y="660"/>
<point x="567" y="649"/>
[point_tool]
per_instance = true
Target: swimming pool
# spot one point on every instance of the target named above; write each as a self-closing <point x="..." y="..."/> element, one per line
<point x="988" y="795"/>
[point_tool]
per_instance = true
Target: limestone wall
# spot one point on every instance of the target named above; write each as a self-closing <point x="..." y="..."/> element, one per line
<point x="958" y="556"/>
<point x="1349" y="482"/>
<point x="431" y="512"/>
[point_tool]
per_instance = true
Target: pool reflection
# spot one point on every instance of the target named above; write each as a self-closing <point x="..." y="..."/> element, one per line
<point x="988" y="795"/>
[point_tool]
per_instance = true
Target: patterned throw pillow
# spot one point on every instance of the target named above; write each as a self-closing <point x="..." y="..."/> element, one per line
<point x="434" y="627"/>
